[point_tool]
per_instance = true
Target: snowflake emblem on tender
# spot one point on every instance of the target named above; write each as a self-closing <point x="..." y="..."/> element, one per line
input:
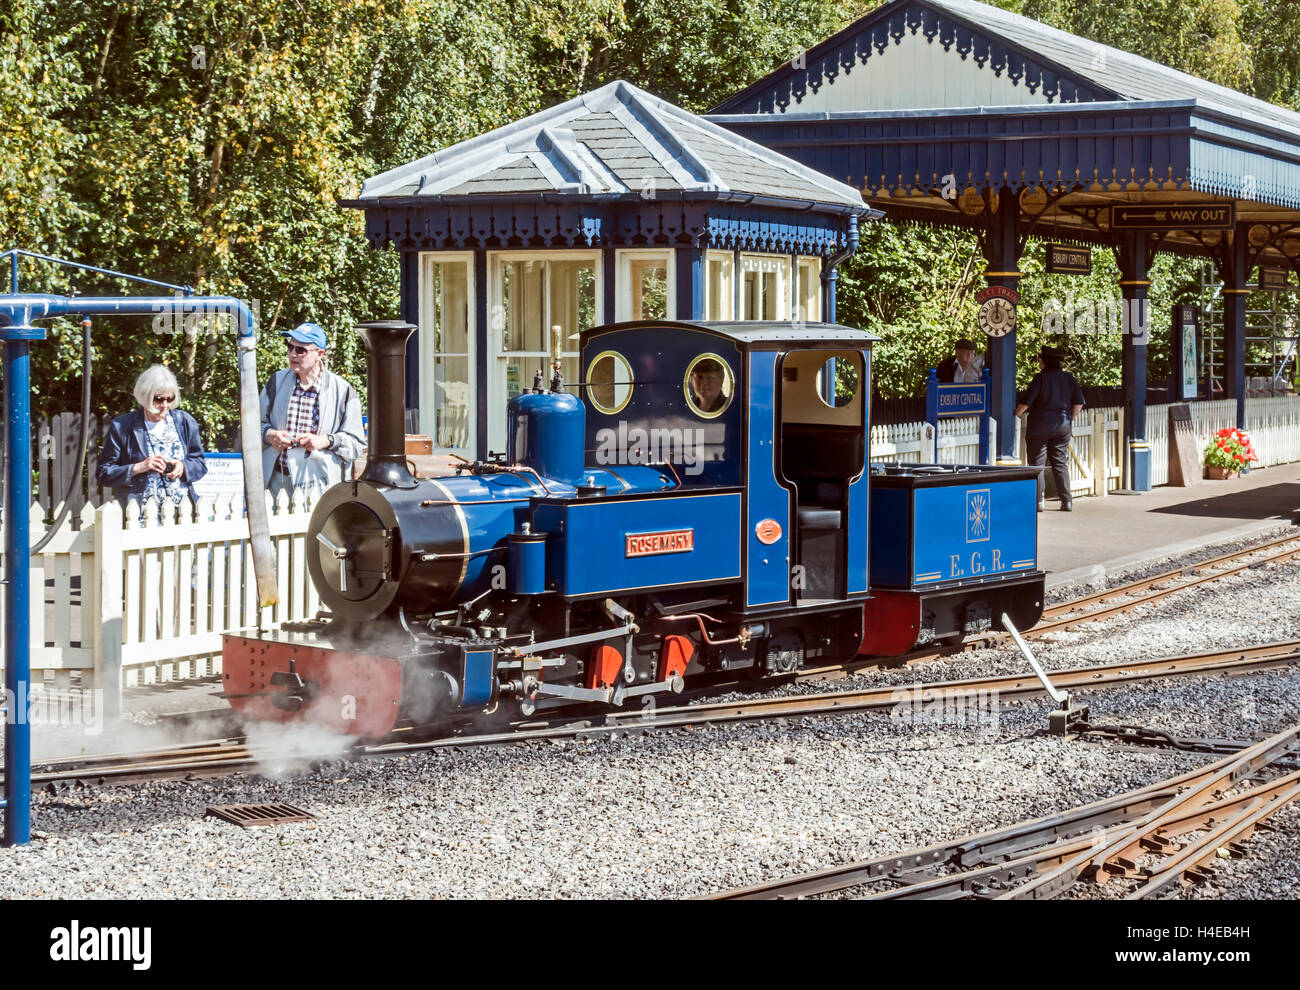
<point x="977" y="515"/>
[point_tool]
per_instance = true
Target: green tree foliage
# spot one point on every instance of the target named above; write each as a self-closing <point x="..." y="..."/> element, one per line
<point x="208" y="142"/>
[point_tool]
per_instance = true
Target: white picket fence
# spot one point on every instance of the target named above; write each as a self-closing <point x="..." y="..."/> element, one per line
<point x="151" y="596"/>
<point x="151" y="593"/>
<point x="1096" y="466"/>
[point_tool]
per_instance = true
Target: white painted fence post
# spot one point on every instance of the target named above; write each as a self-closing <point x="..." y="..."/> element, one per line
<point x="1099" y="445"/>
<point x="929" y="444"/>
<point x="105" y="607"/>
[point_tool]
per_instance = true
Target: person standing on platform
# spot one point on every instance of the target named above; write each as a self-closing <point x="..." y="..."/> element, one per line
<point x="1052" y="400"/>
<point x="962" y="367"/>
<point x="311" y="418"/>
<point x="153" y="453"/>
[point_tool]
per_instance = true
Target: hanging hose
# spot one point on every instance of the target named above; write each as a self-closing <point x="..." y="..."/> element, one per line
<point x="74" y="482"/>
<point x="250" y="434"/>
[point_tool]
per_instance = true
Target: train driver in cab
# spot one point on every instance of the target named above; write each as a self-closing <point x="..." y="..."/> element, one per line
<point x="707" y="379"/>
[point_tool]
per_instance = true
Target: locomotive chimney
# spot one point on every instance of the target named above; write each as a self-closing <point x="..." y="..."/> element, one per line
<point x="385" y="342"/>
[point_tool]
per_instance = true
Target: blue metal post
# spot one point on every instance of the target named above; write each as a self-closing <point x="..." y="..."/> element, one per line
<point x="1235" y="274"/>
<point x="1004" y="259"/>
<point x="1135" y="257"/>
<point x="17" y="508"/>
<point x="932" y="400"/>
<point x="986" y="455"/>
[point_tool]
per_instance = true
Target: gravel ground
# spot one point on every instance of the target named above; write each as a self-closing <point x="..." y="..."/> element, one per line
<point x="691" y="811"/>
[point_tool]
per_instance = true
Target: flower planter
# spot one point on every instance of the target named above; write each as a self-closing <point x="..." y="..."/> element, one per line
<point x="1220" y="473"/>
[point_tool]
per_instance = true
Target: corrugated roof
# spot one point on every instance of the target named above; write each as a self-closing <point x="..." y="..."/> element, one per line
<point x="615" y="142"/>
<point x="1105" y="73"/>
<point x="1129" y="76"/>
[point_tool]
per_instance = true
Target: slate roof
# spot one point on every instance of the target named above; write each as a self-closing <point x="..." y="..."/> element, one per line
<point x="617" y="142"/>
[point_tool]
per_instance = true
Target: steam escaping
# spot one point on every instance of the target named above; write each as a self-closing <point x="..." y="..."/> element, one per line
<point x="67" y="725"/>
<point x="284" y="751"/>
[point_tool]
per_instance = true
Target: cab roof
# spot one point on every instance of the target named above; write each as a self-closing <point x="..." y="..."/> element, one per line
<point x="757" y="334"/>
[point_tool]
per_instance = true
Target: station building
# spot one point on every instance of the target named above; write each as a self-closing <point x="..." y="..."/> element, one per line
<point x="612" y="206"/>
<point x="617" y="205"/>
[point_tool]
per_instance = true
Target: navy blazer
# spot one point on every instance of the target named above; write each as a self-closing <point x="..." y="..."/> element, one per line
<point x="127" y="444"/>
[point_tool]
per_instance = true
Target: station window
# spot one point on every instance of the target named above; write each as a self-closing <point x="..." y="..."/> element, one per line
<point x="808" y="290"/>
<point x="719" y="285"/>
<point x="609" y="382"/>
<point x="709" y="386"/>
<point x="764" y="289"/>
<point x="645" y="285"/>
<point x="532" y="295"/>
<point x="447" y="350"/>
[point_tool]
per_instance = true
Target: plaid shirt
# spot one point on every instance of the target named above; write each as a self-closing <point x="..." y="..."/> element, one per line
<point x="303" y="414"/>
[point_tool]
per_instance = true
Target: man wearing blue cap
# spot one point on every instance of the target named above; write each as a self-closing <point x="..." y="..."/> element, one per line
<point x="311" y="418"/>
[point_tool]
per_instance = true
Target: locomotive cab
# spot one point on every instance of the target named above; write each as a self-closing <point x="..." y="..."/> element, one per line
<point x="783" y="421"/>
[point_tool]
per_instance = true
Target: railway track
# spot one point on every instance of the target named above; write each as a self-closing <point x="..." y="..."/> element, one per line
<point x="226" y="757"/>
<point x="232" y="755"/>
<point x="1087" y="608"/>
<point x="1219" y="804"/>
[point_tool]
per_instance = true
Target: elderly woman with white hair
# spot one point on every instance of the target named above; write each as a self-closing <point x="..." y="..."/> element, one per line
<point x="153" y="452"/>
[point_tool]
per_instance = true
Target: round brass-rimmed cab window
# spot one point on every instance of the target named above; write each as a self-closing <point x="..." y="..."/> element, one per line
<point x="709" y="386"/>
<point x="848" y="378"/>
<point x="609" y="382"/>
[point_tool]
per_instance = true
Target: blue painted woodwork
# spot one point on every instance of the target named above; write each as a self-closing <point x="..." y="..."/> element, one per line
<point x="933" y="525"/>
<point x="767" y="567"/>
<point x="498" y="225"/>
<point x="587" y="542"/>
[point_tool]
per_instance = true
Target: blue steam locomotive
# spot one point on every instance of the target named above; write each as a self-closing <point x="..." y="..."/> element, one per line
<point x="707" y="504"/>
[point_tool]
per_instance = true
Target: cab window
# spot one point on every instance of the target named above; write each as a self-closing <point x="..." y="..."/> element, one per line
<point x="709" y="386"/>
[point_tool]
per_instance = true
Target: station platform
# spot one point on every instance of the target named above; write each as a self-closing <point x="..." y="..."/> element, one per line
<point x="1104" y="536"/>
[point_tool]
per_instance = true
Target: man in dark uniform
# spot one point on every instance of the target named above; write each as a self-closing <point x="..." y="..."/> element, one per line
<point x="1053" y="400"/>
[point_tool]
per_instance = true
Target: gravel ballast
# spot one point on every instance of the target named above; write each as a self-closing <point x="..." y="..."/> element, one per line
<point x="690" y="811"/>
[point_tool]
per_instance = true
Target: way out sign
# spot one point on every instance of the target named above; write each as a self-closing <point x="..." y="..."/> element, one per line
<point x="1174" y="216"/>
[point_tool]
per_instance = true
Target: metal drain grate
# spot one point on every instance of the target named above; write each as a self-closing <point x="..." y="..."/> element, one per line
<point x="248" y="815"/>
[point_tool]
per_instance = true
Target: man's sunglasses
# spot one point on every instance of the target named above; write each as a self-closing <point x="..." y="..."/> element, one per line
<point x="166" y="400"/>
<point x="297" y="349"/>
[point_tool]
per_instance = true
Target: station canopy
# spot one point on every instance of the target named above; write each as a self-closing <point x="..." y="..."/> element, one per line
<point x="934" y="108"/>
